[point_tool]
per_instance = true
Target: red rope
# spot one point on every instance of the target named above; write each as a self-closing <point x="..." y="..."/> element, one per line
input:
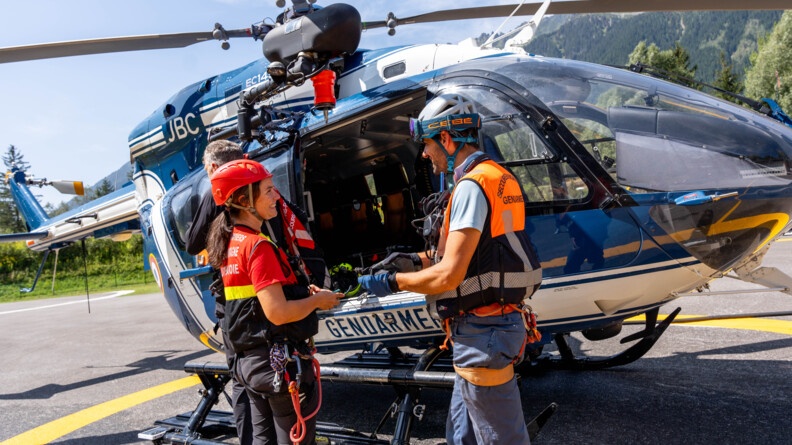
<point x="297" y="433"/>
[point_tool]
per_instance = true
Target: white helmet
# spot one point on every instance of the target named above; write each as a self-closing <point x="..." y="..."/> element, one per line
<point x="446" y="112"/>
<point x="447" y="104"/>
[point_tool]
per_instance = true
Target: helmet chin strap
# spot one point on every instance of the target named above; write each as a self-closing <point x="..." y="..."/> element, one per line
<point x="450" y="158"/>
<point x="252" y="210"/>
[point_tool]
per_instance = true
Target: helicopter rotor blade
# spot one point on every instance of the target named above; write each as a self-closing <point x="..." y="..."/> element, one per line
<point x="575" y="7"/>
<point x="114" y="45"/>
<point x="181" y="40"/>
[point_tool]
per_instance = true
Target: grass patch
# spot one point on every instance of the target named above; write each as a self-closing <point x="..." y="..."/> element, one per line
<point x="109" y="266"/>
<point x="10" y="292"/>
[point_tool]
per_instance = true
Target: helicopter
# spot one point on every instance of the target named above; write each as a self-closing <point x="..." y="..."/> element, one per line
<point x="616" y="235"/>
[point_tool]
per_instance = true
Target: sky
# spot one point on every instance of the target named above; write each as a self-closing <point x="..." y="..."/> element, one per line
<point x="71" y="117"/>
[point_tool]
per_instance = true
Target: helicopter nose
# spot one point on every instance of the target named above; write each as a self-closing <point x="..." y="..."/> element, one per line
<point x="722" y="232"/>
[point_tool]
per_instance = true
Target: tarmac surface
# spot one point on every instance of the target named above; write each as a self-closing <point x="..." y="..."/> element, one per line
<point x="74" y="377"/>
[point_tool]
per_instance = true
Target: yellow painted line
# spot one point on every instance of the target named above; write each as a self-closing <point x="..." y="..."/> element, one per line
<point x="785" y="239"/>
<point x="60" y="427"/>
<point x="752" y="324"/>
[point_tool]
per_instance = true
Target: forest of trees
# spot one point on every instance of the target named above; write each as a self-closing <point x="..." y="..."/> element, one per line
<point x="609" y="38"/>
<point x="770" y="74"/>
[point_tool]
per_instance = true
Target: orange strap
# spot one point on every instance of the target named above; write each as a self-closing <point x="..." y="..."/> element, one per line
<point x="486" y="376"/>
<point x="529" y="320"/>
<point x="494" y="309"/>
<point x="447" y="330"/>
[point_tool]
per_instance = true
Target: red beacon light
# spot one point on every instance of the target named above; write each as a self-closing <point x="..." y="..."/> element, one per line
<point x="324" y="91"/>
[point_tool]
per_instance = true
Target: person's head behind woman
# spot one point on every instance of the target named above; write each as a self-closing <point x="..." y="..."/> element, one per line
<point x="246" y="190"/>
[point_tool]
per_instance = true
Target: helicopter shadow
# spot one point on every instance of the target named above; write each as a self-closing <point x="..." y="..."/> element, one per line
<point x="680" y="392"/>
<point x="128" y="437"/>
<point x="167" y="360"/>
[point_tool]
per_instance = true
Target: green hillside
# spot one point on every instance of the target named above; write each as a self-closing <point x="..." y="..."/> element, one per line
<point x="610" y="38"/>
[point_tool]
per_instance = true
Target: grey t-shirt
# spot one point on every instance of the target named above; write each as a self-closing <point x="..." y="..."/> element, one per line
<point x="468" y="207"/>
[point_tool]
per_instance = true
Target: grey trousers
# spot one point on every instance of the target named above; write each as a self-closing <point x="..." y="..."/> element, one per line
<point x="486" y="415"/>
<point x="272" y="412"/>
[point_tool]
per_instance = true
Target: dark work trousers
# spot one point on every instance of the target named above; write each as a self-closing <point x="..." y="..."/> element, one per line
<point x="240" y="402"/>
<point x="269" y="406"/>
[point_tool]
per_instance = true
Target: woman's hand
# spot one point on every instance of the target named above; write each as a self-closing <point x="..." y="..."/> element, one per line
<point x="326" y="299"/>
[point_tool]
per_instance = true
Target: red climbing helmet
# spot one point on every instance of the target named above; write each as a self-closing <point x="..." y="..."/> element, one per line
<point x="231" y="176"/>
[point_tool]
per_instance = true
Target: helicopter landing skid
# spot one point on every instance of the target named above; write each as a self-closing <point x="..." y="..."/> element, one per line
<point x="408" y="377"/>
<point x="407" y="373"/>
<point x="566" y="359"/>
<point x="206" y="426"/>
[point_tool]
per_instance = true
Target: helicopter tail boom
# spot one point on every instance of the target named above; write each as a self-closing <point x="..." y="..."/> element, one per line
<point x="34" y="214"/>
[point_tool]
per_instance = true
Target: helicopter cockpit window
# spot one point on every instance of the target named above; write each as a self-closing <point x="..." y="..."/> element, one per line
<point x="651" y="135"/>
<point x="695" y="144"/>
<point x="510" y="139"/>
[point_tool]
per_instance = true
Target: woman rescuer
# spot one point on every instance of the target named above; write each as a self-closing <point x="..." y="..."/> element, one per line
<point x="270" y="312"/>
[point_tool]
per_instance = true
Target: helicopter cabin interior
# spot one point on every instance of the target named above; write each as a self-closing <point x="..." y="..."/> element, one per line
<point x="363" y="179"/>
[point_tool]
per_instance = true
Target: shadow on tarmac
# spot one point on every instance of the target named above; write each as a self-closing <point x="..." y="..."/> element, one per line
<point x="169" y="360"/>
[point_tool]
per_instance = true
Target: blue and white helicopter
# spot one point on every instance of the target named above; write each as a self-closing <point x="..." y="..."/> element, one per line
<point x="638" y="190"/>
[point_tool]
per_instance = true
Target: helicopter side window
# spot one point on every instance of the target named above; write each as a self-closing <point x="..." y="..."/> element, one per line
<point x="589" y="124"/>
<point x="278" y="164"/>
<point x="183" y="210"/>
<point x="394" y="70"/>
<point x="511" y="140"/>
<point x="182" y="201"/>
<point x="544" y="176"/>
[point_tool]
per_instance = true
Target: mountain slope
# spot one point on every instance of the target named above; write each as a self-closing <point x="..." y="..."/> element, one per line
<point x="610" y="38"/>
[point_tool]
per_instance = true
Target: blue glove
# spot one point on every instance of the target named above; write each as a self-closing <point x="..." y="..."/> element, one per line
<point x="378" y="285"/>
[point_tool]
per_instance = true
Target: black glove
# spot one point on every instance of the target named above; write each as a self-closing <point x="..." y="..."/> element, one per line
<point x="399" y="262"/>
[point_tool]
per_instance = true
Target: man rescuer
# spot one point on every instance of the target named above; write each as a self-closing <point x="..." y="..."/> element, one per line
<point x="486" y="269"/>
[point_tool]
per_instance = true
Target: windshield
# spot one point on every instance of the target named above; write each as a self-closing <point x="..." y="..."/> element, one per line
<point x="651" y="135"/>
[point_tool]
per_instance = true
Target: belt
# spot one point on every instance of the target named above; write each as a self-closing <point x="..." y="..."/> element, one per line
<point x="486" y="376"/>
<point x="493" y="309"/>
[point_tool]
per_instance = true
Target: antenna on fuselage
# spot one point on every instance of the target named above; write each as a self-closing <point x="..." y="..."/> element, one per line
<point x="296" y="3"/>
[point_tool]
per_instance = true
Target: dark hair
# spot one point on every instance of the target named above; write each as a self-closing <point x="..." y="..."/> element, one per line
<point x="223" y="225"/>
<point x="471" y="133"/>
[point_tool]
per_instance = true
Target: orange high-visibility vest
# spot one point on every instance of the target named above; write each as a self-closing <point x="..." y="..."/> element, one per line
<point x="504" y="268"/>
